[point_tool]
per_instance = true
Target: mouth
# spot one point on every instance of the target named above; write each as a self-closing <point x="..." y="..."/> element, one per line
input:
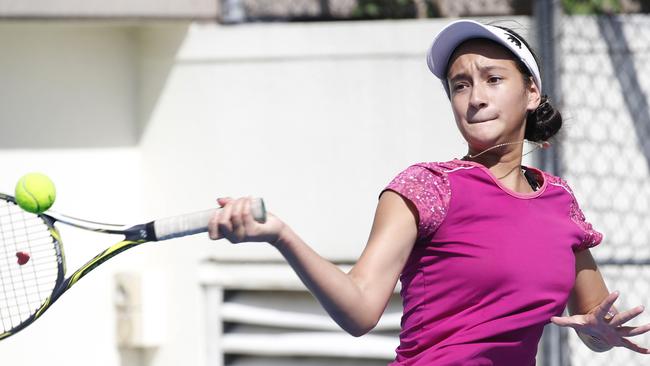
<point x="480" y="120"/>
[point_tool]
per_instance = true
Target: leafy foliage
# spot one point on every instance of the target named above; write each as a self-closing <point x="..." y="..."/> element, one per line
<point x="592" y="6"/>
<point x="392" y="9"/>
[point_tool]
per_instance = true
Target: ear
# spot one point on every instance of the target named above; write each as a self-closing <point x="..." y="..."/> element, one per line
<point x="534" y="96"/>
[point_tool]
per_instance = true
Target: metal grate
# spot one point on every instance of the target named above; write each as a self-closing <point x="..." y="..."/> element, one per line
<point x="267" y="317"/>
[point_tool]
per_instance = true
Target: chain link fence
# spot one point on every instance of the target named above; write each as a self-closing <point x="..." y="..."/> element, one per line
<point x="604" y="65"/>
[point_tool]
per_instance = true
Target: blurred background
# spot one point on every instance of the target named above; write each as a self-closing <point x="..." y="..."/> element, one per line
<point x="142" y="109"/>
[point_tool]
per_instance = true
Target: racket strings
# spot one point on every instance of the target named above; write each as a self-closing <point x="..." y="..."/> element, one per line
<point x="24" y="287"/>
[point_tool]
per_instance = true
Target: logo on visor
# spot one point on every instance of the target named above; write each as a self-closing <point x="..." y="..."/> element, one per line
<point x="513" y="39"/>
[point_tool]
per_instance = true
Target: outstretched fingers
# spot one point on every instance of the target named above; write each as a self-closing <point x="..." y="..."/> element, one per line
<point x="633" y="331"/>
<point x="625" y="316"/>
<point x="604" y="324"/>
<point x="574" y="321"/>
<point x="633" y="346"/>
<point x="602" y="311"/>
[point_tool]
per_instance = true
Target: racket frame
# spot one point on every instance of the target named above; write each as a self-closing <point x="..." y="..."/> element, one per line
<point x="134" y="235"/>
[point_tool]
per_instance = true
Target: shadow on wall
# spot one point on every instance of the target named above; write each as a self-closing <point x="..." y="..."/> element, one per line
<point x="81" y="84"/>
<point x="157" y="49"/>
<point x="621" y="57"/>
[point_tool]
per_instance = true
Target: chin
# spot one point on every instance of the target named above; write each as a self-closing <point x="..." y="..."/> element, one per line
<point x="483" y="140"/>
<point x="484" y="134"/>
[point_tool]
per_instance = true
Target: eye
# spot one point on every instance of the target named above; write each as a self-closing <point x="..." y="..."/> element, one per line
<point x="458" y="86"/>
<point x="494" y="79"/>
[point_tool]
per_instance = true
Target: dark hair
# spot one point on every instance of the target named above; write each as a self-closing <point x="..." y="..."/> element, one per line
<point x="545" y="121"/>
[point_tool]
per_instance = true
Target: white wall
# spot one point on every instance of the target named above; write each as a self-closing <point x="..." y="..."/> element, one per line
<point x="67" y="110"/>
<point x="67" y="85"/>
<point x="316" y="118"/>
<point x="94" y="9"/>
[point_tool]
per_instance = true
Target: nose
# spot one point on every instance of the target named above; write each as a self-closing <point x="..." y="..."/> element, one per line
<point x="478" y="97"/>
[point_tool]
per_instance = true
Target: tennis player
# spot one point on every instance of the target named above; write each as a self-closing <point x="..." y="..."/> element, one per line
<point x="487" y="250"/>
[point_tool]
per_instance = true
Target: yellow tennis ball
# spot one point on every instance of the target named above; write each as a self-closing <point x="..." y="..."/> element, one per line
<point x="35" y="192"/>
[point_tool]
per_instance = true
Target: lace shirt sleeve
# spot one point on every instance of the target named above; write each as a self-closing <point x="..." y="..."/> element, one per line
<point x="428" y="188"/>
<point x="591" y="237"/>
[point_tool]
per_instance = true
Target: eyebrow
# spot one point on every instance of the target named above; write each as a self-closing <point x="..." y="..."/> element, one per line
<point x="463" y="75"/>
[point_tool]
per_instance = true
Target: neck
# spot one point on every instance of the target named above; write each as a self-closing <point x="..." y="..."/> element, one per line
<point x="499" y="160"/>
<point x="504" y="162"/>
<point x="503" y="152"/>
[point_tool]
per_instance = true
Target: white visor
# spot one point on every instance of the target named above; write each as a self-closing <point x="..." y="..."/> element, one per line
<point x="459" y="31"/>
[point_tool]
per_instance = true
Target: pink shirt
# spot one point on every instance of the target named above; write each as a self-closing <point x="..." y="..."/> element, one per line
<point x="490" y="266"/>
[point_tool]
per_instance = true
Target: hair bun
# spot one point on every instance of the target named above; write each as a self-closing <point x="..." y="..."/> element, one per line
<point x="544" y="122"/>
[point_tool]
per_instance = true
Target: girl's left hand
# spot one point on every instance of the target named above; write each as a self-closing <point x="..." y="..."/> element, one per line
<point x="605" y="328"/>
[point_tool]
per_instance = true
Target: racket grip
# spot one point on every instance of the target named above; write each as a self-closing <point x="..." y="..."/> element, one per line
<point x="197" y="222"/>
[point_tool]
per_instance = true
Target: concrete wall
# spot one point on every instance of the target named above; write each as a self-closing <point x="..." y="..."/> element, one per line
<point x="66" y="109"/>
<point x="61" y="9"/>
<point x="316" y="118"/>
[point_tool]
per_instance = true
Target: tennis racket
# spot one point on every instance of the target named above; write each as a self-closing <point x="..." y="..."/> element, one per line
<point x="32" y="262"/>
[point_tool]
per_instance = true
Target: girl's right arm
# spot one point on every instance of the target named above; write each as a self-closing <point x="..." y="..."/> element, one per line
<point x="357" y="299"/>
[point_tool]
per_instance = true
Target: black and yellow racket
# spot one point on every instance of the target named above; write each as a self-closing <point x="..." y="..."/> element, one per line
<point x="32" y="262"/>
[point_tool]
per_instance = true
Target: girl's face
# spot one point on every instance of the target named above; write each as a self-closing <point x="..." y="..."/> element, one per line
<point x="488" y="95"/>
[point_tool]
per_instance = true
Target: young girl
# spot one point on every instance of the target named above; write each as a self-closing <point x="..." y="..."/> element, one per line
<point x="487" y="251"/>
